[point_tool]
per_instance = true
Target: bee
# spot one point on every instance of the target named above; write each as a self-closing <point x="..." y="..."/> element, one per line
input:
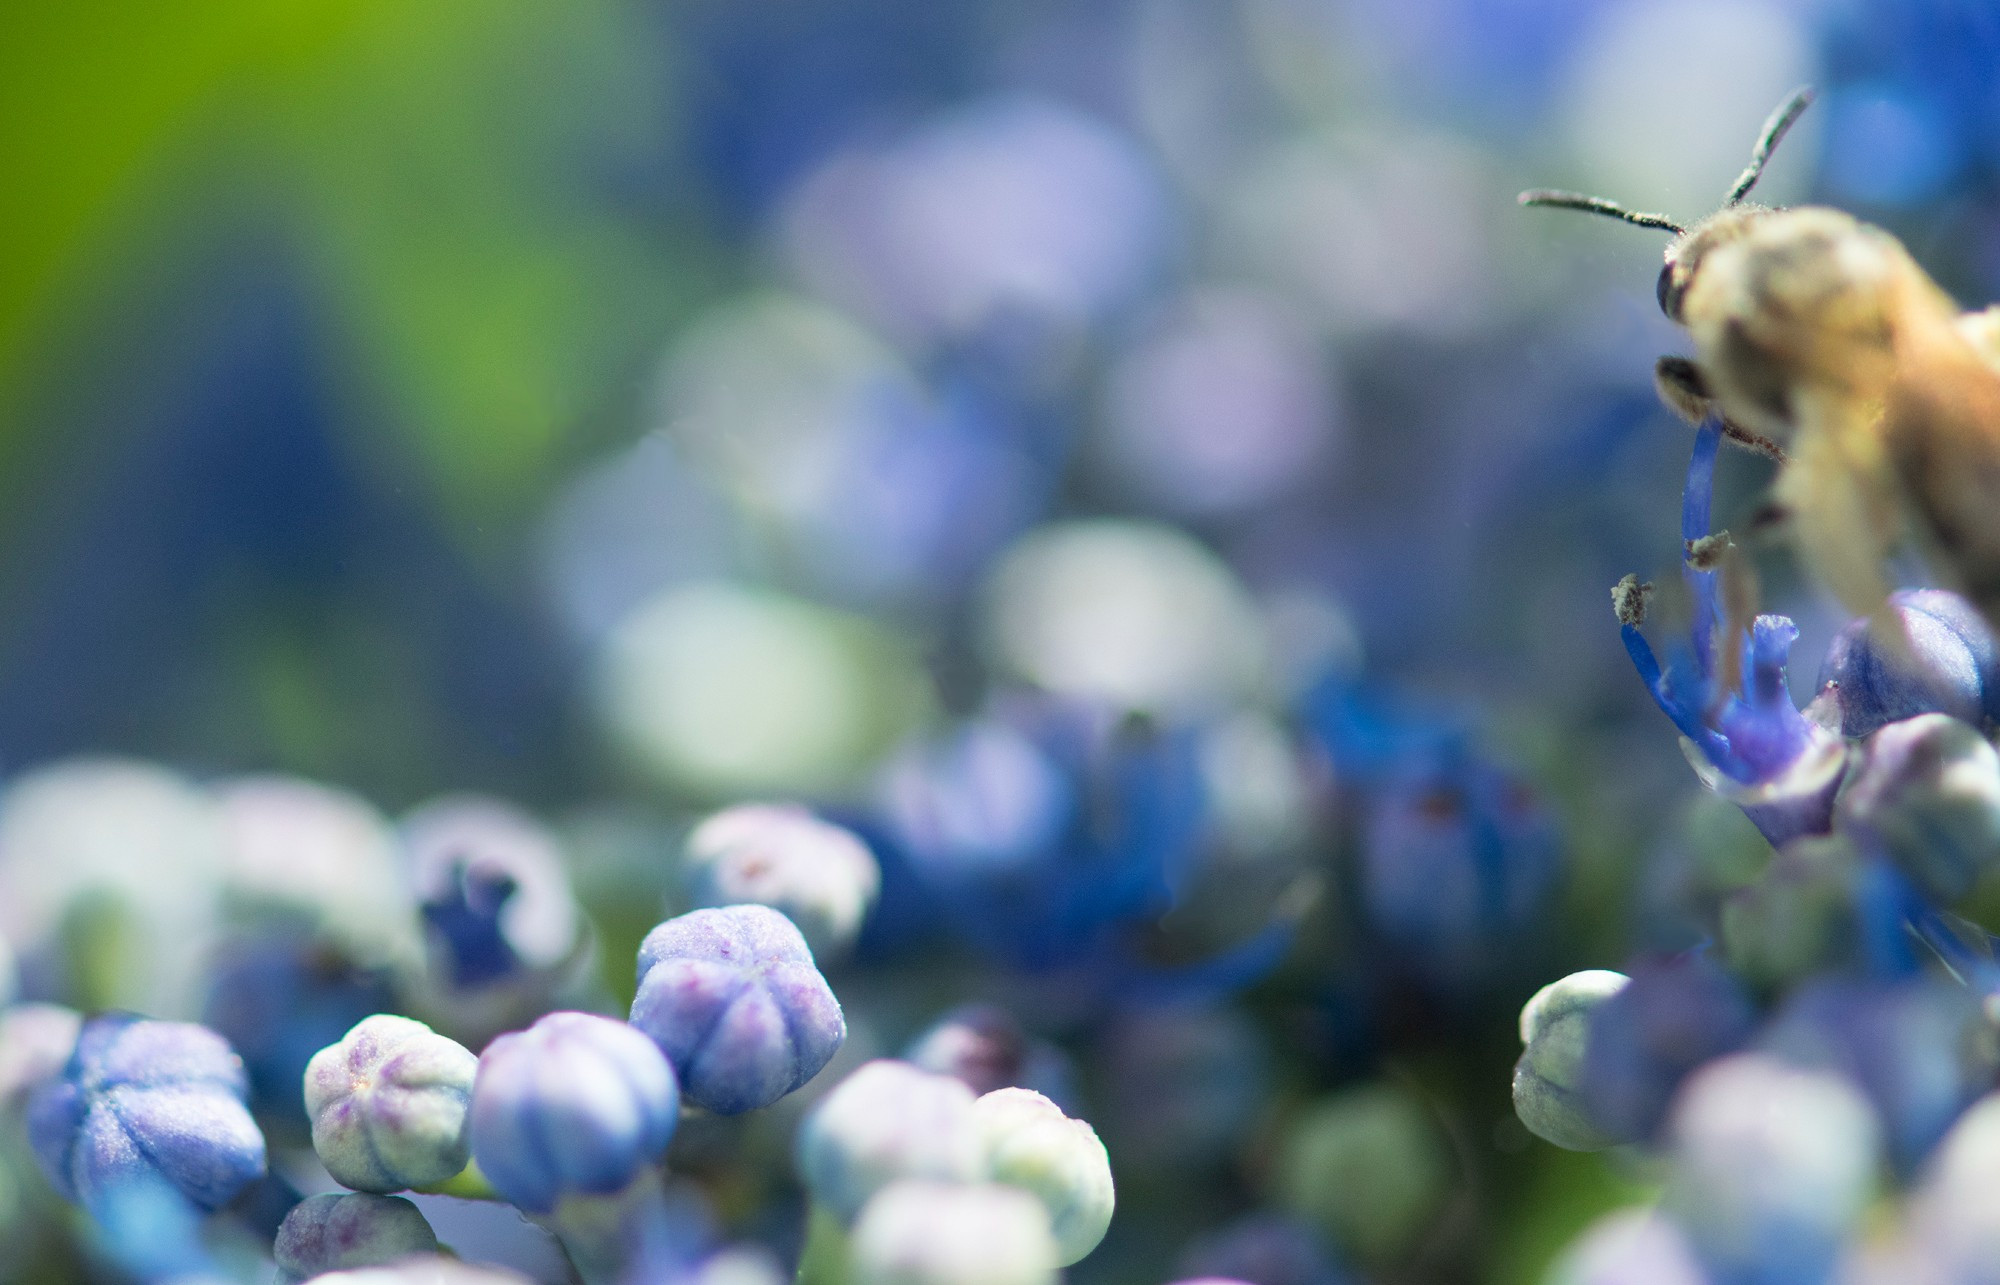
<point x="1820" y="342"/>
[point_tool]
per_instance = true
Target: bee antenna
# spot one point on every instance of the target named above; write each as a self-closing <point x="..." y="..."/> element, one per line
<point x="1598" y="205"/>
<point x="1775" y="127"/>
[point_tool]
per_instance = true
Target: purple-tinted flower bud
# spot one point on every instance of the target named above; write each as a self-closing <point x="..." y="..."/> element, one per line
<point x="1950" y="666"/>
<point x="916" y="1232"/>
<point x="733" y="999"/>
<point x="337" y="1232"/>
<point x="1031" y="1144"/>
<point x="388" y="1105"/>
<point x="1771" y="1168"/>
<point x="425" y="1269"/>
<point x="1920" y="1049"/>
<point x="818" y="874"/>
<point x="1926" y="795"/>
<point x="888" y="1121"/>
<point x="985" y="1048"/>
<point x="1555" y="1030"/>
<point x="574" y="1104"/>
<point x="1671" y="1017"/>
<point x="141" y="1101"/>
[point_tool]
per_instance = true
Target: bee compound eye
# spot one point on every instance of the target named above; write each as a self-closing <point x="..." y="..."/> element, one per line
<point x="1665" y="292"/>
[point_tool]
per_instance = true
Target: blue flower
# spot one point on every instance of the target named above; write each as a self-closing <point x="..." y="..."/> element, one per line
<point x="1951" y="666"/>
<point x="278" y="1001"/>
<point x="1749" y="742"/>
<point x="574" y="1104"/>
<point x="144" y="1101"/>
<point x="732" y="997"/>
<point x="494" y="891"/>
<point x="1044" y="831"/>
<point x="388" y="1105"/>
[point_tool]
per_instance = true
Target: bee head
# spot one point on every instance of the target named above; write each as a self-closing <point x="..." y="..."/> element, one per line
<point x="1685" y="251"/>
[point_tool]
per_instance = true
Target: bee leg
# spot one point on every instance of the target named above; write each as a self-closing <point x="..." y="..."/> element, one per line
<point x="1684" y="389"/>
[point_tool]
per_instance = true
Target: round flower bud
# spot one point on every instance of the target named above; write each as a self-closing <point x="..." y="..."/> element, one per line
<point x="1926" y="795"/>
<point x="143" y="1101"/>
<point x="574" y="1104"/>
<point x="818" y="874"/>
<point x="494" y="890"/>
<point x="388" y="1105"/>
<point x="982" y="1045"/>
<point x="1949" y="667"/>
<point x="1031" y="1144"/>
<point x="337" y="1231"/>
<point x="1367" y="1166"/>
<point x="1953" y="1215"/>
<point x="932" y="1233"/>
<point x="732" y="998"/>
<point x="1771" y="1168"/>
<point x="1555" y="1028"/>
<point x="888" y="1120"/>
<point x="1803" y="916"/>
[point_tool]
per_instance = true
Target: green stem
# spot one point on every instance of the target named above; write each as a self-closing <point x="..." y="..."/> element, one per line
<point x="824" y="1260"/>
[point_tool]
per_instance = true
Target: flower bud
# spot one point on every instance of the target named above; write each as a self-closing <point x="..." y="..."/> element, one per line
<point x="733" y="999"/>
<point x="495" y="894"/>
<point x="1771" y="1168"/>
<point x="1555" y="1030"/>
<point x="425" y="1269"/>
<point x="388" y="1105"/>
<point x="335" y="1232"/>
<point x="1367" y="1166"/>
<point x="574" y="1104"/>
<point x="1803" y="916"/>
<point x="1949" y="666"/>
<point x="142" y="1101"/>
<point x="1953" y="1215"/>
<point x="983" y="1046"/>
<point x="1031" y="1144"/>
<point x="888" y="1120"/>
<point x="817" y="874"/>
<point x="1926" y="795"/>
<point x="932" y="1233"/>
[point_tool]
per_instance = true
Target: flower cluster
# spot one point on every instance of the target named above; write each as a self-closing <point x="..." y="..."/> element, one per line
<point x="1835" y="1026"/>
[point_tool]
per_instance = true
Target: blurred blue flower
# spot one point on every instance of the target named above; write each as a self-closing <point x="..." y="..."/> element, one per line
<point x="1263" y="1248"/>
<point x="278" y="1001"/>
<point x="388" y="1105"/>
<point x="143" y="1102"/>
<point x="1041" y="832"/>
<point x="733" y="999"/>
<point x="575" y="1104"/>
<point x="493" y="889"/>
<point x="1675" y="1014"/>
<point x="1955" y="668"/>
<point x="1750" y="744"/>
